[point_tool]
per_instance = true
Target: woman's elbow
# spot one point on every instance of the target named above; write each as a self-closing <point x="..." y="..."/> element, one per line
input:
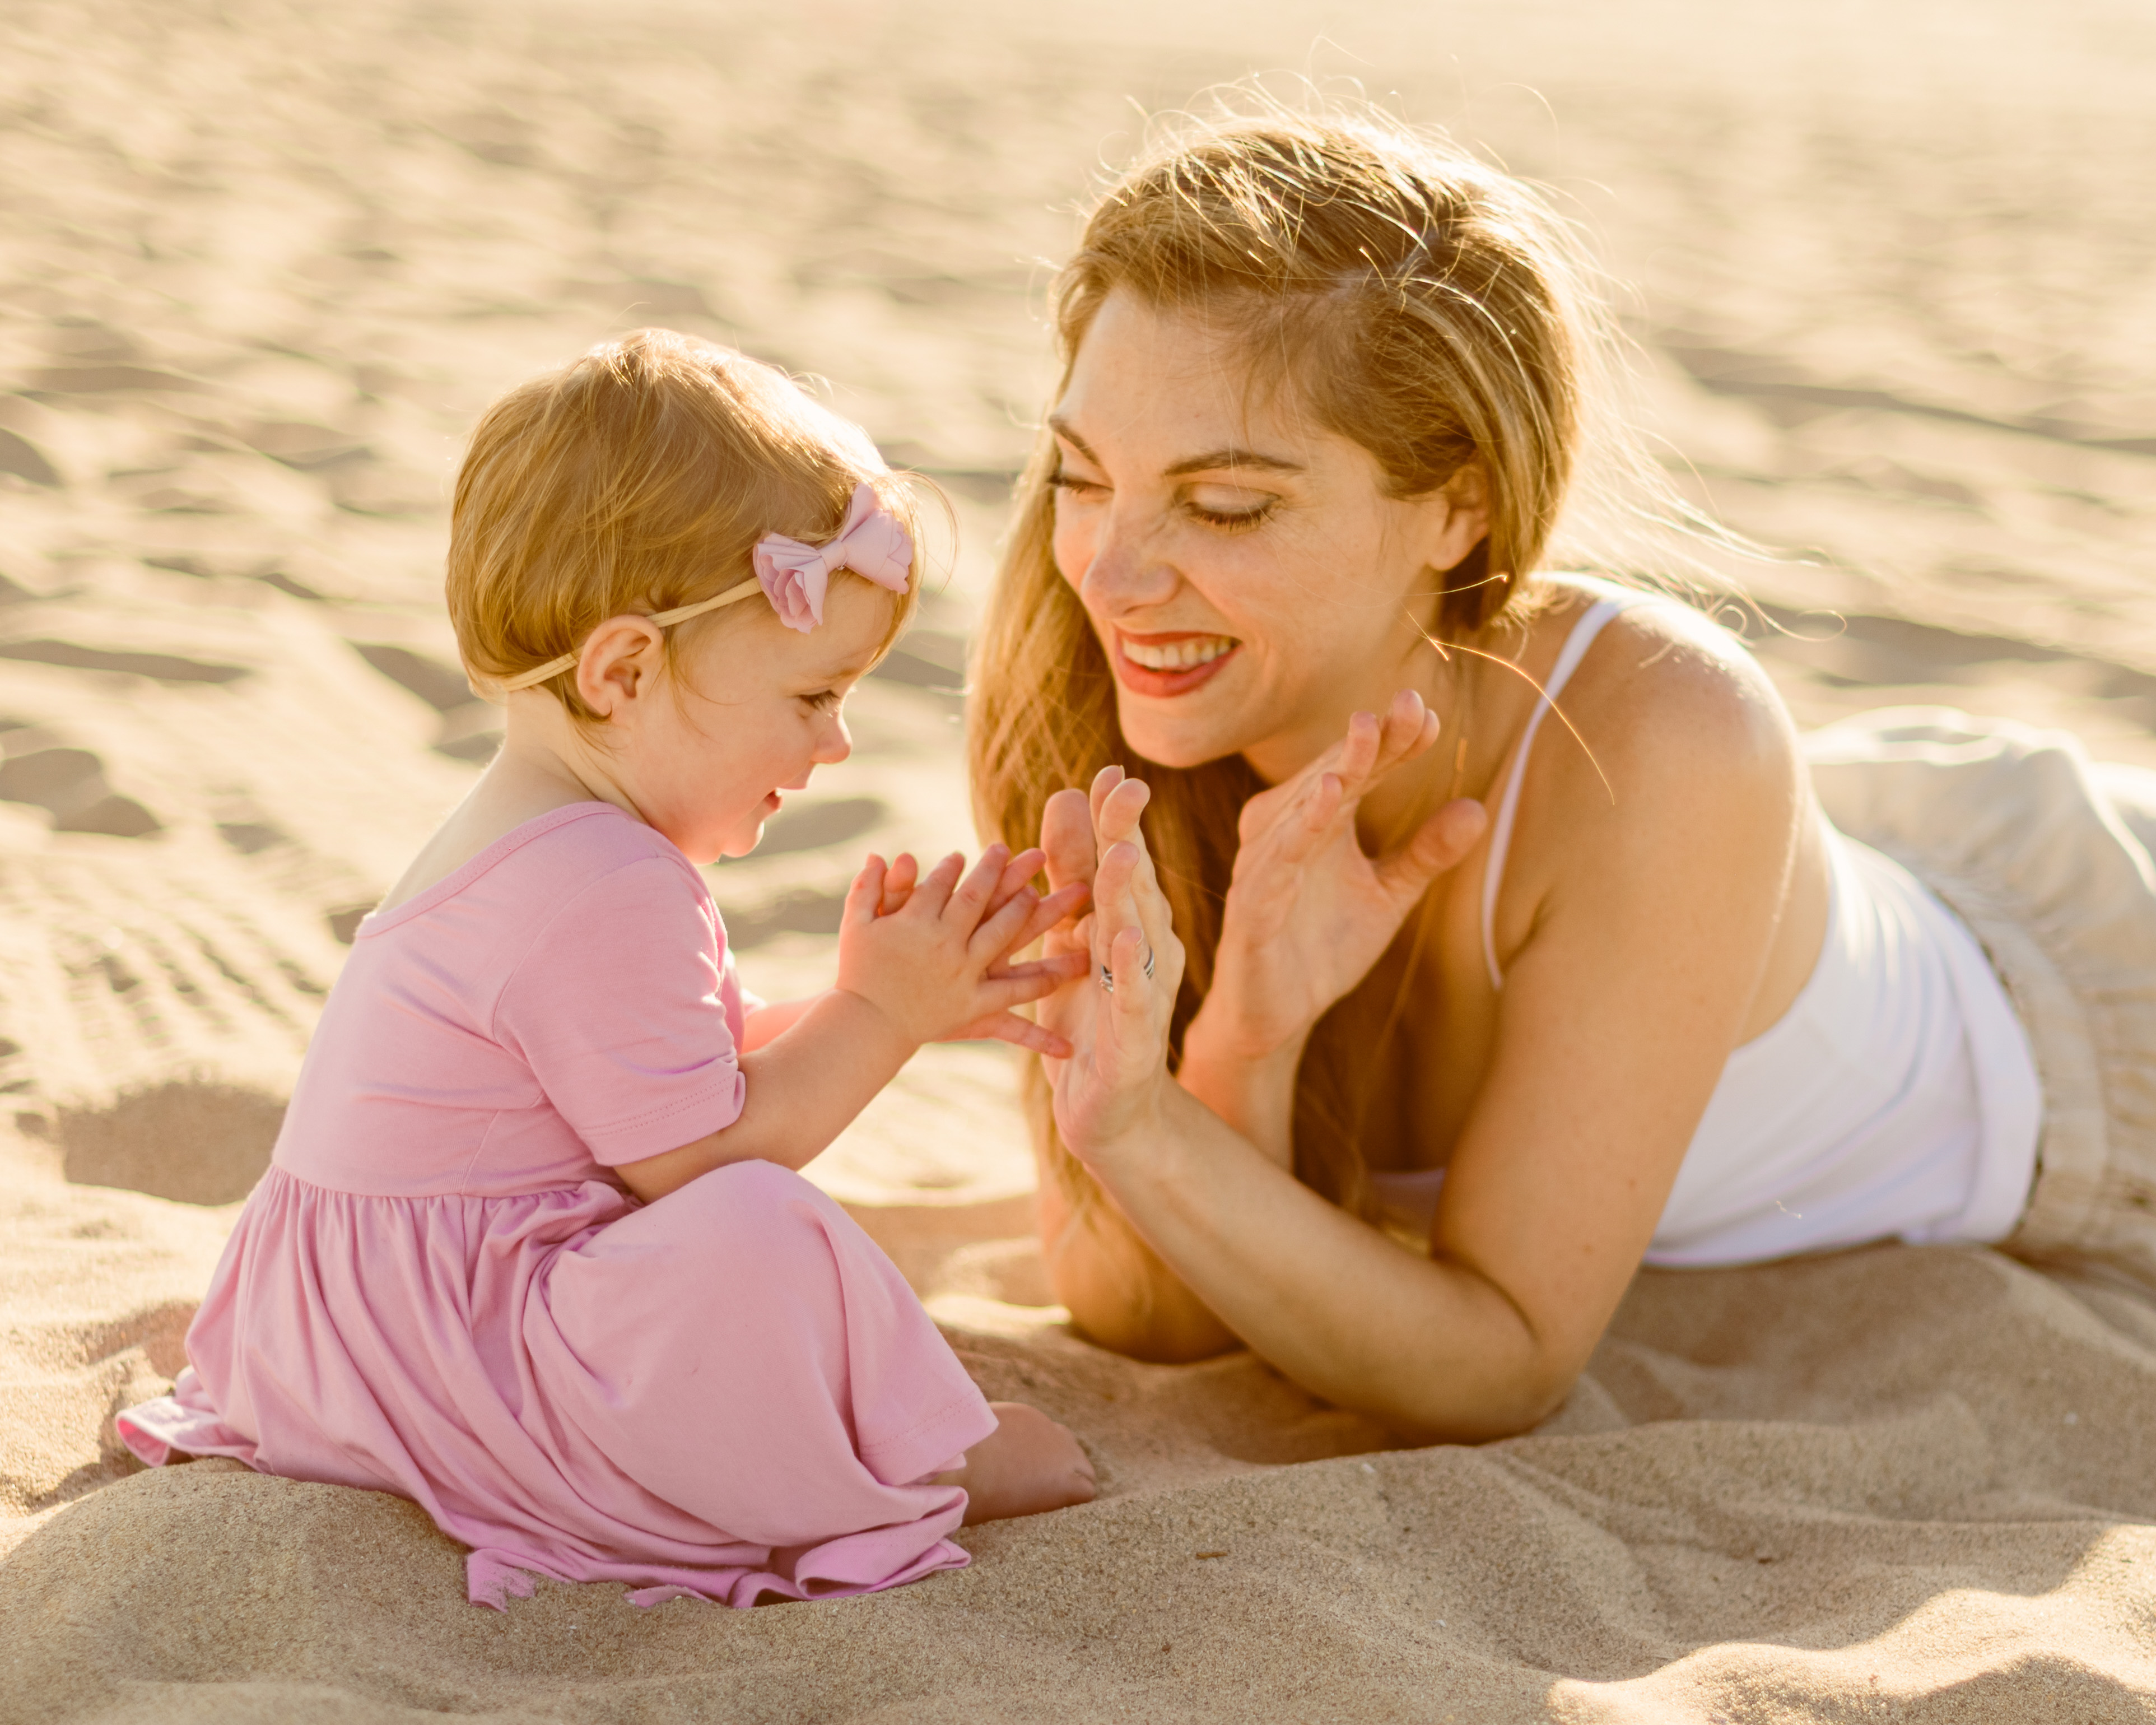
<point x="1139" y="1319"/>
<point x="1493" y="1405"/>
<point x="1150" y="1336"/>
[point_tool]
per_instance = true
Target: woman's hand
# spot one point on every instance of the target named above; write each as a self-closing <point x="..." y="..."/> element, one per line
<point x="1308" y="911"/>
<point x="1115" y="1018"/>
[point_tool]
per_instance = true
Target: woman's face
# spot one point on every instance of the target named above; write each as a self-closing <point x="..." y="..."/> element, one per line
<point x="1250" y="581"/>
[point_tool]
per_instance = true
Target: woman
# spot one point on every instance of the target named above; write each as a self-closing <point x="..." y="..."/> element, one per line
<point x="1328" y="394"/>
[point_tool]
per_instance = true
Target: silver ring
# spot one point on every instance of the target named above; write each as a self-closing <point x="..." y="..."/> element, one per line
<point x="1108" y="976"/>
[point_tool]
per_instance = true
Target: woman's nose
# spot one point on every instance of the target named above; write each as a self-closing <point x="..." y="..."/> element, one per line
<point x="1126" y="569"/>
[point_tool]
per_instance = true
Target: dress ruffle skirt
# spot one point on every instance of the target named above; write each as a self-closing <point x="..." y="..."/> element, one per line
<point x="730" y="1393"/>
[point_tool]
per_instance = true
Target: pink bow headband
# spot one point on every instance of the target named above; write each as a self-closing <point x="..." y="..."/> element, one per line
<point x="795" y="577"/>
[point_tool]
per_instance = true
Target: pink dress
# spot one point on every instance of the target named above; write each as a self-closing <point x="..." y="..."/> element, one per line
<point x="439" y="1289"/>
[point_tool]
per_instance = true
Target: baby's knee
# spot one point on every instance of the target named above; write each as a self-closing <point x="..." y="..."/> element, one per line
<point x="760" y="1203"/>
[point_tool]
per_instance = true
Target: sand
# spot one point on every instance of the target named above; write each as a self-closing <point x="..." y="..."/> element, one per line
<point x="258" y="266"/>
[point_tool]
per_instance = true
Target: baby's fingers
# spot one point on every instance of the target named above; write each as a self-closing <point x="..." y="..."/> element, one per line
<point x="933" y="891"/>
<point x="969" y="899"/>
<point x="1010" y="1027"/>
<point x="999" y="994"/>
<point x="1025" y="920"/>
<point x="865" y="897"/>
<point x="898" y="883"/>
<point x="1018" y="875"/>
<point x="1062" y="966"/>
<point x="1059" y="907"/>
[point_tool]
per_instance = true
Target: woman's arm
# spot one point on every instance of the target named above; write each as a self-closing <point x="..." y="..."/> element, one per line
<point x="1307" y="913"/>
<point x="1641" y="940"/>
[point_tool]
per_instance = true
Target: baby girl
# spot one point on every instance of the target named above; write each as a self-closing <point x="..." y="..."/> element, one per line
<point x="532" y="1249"/>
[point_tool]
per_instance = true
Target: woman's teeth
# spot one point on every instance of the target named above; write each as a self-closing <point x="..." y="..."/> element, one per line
<point x="1178" y="655"/>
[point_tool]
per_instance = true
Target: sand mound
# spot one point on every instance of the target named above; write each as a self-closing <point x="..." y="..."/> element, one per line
<point x="1898" y="1482"/>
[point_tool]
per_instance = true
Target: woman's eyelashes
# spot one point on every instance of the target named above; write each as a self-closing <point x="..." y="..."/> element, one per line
<point x="1233" y="521"/>
<point x="1236" y="518"/>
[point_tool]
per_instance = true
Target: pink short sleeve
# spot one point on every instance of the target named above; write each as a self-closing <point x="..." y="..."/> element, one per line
<point x="626" y="1009"/>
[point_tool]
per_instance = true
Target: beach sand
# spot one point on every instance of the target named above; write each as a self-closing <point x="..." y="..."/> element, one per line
<point x="260" y="265"/>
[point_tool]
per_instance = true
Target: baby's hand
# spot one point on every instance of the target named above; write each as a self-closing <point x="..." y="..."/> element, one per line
<point x="936" y="967"/>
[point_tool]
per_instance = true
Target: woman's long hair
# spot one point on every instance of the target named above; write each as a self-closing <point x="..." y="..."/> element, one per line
<point x="1416" y="301"/>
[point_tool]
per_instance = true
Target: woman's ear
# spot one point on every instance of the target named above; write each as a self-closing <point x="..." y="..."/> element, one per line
<point x="1460" y="518"/>
<point x="621" y="660"/>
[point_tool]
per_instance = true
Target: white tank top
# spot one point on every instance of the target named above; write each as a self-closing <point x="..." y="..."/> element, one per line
<point x="1897" y="1098"/>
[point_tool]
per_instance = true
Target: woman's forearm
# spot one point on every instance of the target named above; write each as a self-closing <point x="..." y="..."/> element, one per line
<point x="1254" y="1095"/>
<point x="1115" y="1285"/>
<point x="1431" y="1348"/>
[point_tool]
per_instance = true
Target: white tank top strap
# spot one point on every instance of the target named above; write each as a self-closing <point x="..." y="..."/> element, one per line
<point x="1591" y="624"/>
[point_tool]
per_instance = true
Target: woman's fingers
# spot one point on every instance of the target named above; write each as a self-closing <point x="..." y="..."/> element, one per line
<point x="1138" y="891"/>
<point x="1104" y="784"/>
<point x="1127" y="901"/>
<point x="1137" y="998"/>
<point x="1442" y="842"/>
<point x="1066" y="837"/>
<point x="1375" y="745"/>
<point x="1115" y="811"/>
<point x="1358" y="753"/>
<point x="1409" y="728"/>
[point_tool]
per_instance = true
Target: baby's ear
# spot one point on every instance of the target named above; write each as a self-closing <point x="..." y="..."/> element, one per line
<point x="619" y="661"/>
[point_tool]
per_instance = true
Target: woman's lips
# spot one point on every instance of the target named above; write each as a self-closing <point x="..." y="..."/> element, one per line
<point x="1147" y="679"/>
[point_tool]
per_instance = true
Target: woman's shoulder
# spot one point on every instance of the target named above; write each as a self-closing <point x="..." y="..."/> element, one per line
<point x="1667" y="696"/>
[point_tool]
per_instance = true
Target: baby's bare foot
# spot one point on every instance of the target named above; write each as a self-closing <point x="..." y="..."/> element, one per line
<point x="1029" y="1464"/>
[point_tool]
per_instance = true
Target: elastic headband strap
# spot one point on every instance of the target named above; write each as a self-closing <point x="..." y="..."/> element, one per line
<point x="871" y="541"/>
<point x="664" y="619"/>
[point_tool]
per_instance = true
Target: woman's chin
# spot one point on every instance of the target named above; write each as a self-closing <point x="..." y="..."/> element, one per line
<point x="1180" y="742"/>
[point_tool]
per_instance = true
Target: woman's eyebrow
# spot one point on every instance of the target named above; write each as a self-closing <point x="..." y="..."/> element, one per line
<point x="1211" y="461"/>
<point x="1062" y="427"/>
<point x="1214" y="459"/>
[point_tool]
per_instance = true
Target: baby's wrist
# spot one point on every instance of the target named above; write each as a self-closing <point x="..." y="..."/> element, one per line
<point x="879" y="1020"/>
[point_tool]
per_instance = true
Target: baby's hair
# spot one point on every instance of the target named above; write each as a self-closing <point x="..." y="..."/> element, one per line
<point x="635" y="479"/>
